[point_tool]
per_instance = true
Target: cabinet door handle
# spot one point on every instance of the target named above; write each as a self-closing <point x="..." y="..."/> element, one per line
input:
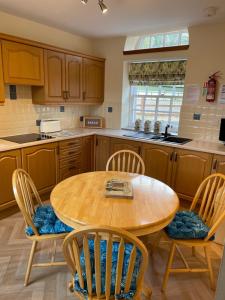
<point x="71" y="168"/>
<point x="215" y="165"/>
<point x="171" y="156"/>
<point x="64" y="95"/>
<point x="175" y="158"/>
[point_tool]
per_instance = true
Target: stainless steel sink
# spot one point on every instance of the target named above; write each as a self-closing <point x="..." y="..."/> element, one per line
<point x="176" y="140"/>
<point x="160" y="137"/>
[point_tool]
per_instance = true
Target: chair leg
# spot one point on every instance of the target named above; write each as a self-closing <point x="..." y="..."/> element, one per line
<point x="168" y="267"/>
<point x="29" y="266"/>
<point x="211" y="276"/>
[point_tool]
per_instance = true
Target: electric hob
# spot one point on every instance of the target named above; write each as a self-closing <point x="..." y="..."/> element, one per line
<point x="26" y="138"/>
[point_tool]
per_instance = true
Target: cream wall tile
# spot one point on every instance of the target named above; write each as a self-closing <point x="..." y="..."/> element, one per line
<point x="19" y="116"/>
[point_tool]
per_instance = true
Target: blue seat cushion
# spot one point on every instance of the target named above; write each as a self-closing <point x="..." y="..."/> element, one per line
<point x="187" y="225"/>
<point x="46" y="222"/>
<point x="103" y="249"/>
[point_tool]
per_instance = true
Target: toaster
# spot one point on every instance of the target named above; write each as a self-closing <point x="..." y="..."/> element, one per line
<point x="50" y="125"/>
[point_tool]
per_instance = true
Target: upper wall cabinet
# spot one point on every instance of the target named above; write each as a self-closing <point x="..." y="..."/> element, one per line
<point x="70" y="79"/>
<point x="22" y="64"/>
<point x="93" y="81"/>
<point x="63" y="79"/>
<point x="2" y="92"/>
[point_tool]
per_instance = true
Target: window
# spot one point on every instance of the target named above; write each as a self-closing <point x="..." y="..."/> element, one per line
<point x="158" y="40"/>
<point x="156" y="103"/>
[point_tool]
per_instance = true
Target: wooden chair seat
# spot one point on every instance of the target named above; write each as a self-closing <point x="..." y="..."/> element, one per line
<point x="209" y="203"/>
<point x="26" y="195"/>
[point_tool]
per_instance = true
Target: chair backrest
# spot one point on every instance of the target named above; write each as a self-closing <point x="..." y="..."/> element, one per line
<point x="209" y="201"/>
<point x="72" y="250"/>
<point x="126" y="161"/>
<point x="26" y="195"/>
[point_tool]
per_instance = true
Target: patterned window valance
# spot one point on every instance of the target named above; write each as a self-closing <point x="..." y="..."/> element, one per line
<point x="157" y="73"/>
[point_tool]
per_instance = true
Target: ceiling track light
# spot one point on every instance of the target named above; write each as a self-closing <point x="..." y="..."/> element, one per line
<point x="103" y="7"/>
<point x="101" y="4"/>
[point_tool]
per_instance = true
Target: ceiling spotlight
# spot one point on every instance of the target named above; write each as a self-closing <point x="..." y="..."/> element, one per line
<point x="84" y="1"/>
<point x="103" y="7"/>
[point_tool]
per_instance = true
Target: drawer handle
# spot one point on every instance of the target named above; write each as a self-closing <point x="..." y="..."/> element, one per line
<point x="71" y="168"/>
<point x="72" y="152"/>
<point x="73" y="143"/>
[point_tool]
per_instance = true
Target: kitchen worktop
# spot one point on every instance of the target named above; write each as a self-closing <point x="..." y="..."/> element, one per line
<point x="203" y="146"/>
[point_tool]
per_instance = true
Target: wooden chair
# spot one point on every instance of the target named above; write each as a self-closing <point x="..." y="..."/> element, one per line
<point x="126" y="161"/>
<point x="26" y="195"/>
<point x="97" y="233"/>
<point x="209" y="203"/>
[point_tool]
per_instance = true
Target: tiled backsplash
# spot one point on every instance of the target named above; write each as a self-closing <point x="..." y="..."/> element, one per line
<point x="19" y="116"/>
<point x="207" y="128"/>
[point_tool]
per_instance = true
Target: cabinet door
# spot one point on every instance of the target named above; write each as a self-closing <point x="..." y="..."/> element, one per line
<point x="93" y="81"/>
<point x="190" y="168"/>
<point x="22" y="64"/>
<point x="218" y="164"/>
<point x="87" y="154"/>
<point x="2" y="92"/>
<point x="9" y="161"/>
<point x="41" y="163"/>
<point x="74" y="78"/>
<point x="120" y="144"/>
<point x="158" y="162"/>
<point x="102" y="152"/>
<point x="55" y="89"/>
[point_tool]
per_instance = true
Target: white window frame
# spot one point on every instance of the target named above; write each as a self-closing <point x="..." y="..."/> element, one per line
<point x="132" y="104"/>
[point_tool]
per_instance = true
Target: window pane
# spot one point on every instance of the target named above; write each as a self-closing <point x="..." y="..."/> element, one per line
<point x="156" y="103"/>
<point x="184" y="38"/>
<point x="157" y="41"/>
<point x="171" y="39"/>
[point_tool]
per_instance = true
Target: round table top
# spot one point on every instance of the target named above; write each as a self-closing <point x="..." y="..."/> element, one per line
<point x="80" y="200"/>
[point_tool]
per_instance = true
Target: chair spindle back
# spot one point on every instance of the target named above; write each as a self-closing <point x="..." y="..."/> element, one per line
<point x="126" y="161"/>
<point x="210" y="197"/>
<point x="72" y="255"/>
<point x="25" y="194"/>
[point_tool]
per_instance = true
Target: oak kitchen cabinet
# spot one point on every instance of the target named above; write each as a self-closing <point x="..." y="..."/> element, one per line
<point x="41" y="162"/>
<point x="93" y="81"/>
<point x="218" y="165"/>
<point x="69" y="158"/>
<point x="9" y="161"/>
<point x="2" y="91"/>
<point x="102" y="152"/>
<point x="22" y="64"/>
<point x="122" y="144"/>
<point x="87" y="154"/>
<point x="158" y="161"/>
<point x="189" y="169"/>
<point x="70" y="79"/>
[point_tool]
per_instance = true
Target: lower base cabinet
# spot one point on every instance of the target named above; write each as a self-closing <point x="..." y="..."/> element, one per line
<point x="87" y="154"/>
<point x="9" y="161"/>
<point x="158" y="162"/>
<point x="190" y="168"/>
<point x="218" y="165"/>
<point x="41" y="162"/>
<point x="102" y="152"/>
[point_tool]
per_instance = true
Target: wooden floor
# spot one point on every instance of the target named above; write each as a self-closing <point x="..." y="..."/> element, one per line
<point x="51" y="283"/>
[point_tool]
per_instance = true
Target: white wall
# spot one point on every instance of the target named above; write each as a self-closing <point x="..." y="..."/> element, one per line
<point x="24" y="28"/>
<point x="206" y="55"/>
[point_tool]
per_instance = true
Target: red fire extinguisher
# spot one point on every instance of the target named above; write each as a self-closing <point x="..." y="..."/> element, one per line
<point x="211" y="87"/>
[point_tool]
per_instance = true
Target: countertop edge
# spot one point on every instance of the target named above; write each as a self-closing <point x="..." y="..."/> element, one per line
<point x="200" y="146"/>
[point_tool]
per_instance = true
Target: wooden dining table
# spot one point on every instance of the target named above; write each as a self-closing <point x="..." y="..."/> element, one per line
<point x="80" y="200"/>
